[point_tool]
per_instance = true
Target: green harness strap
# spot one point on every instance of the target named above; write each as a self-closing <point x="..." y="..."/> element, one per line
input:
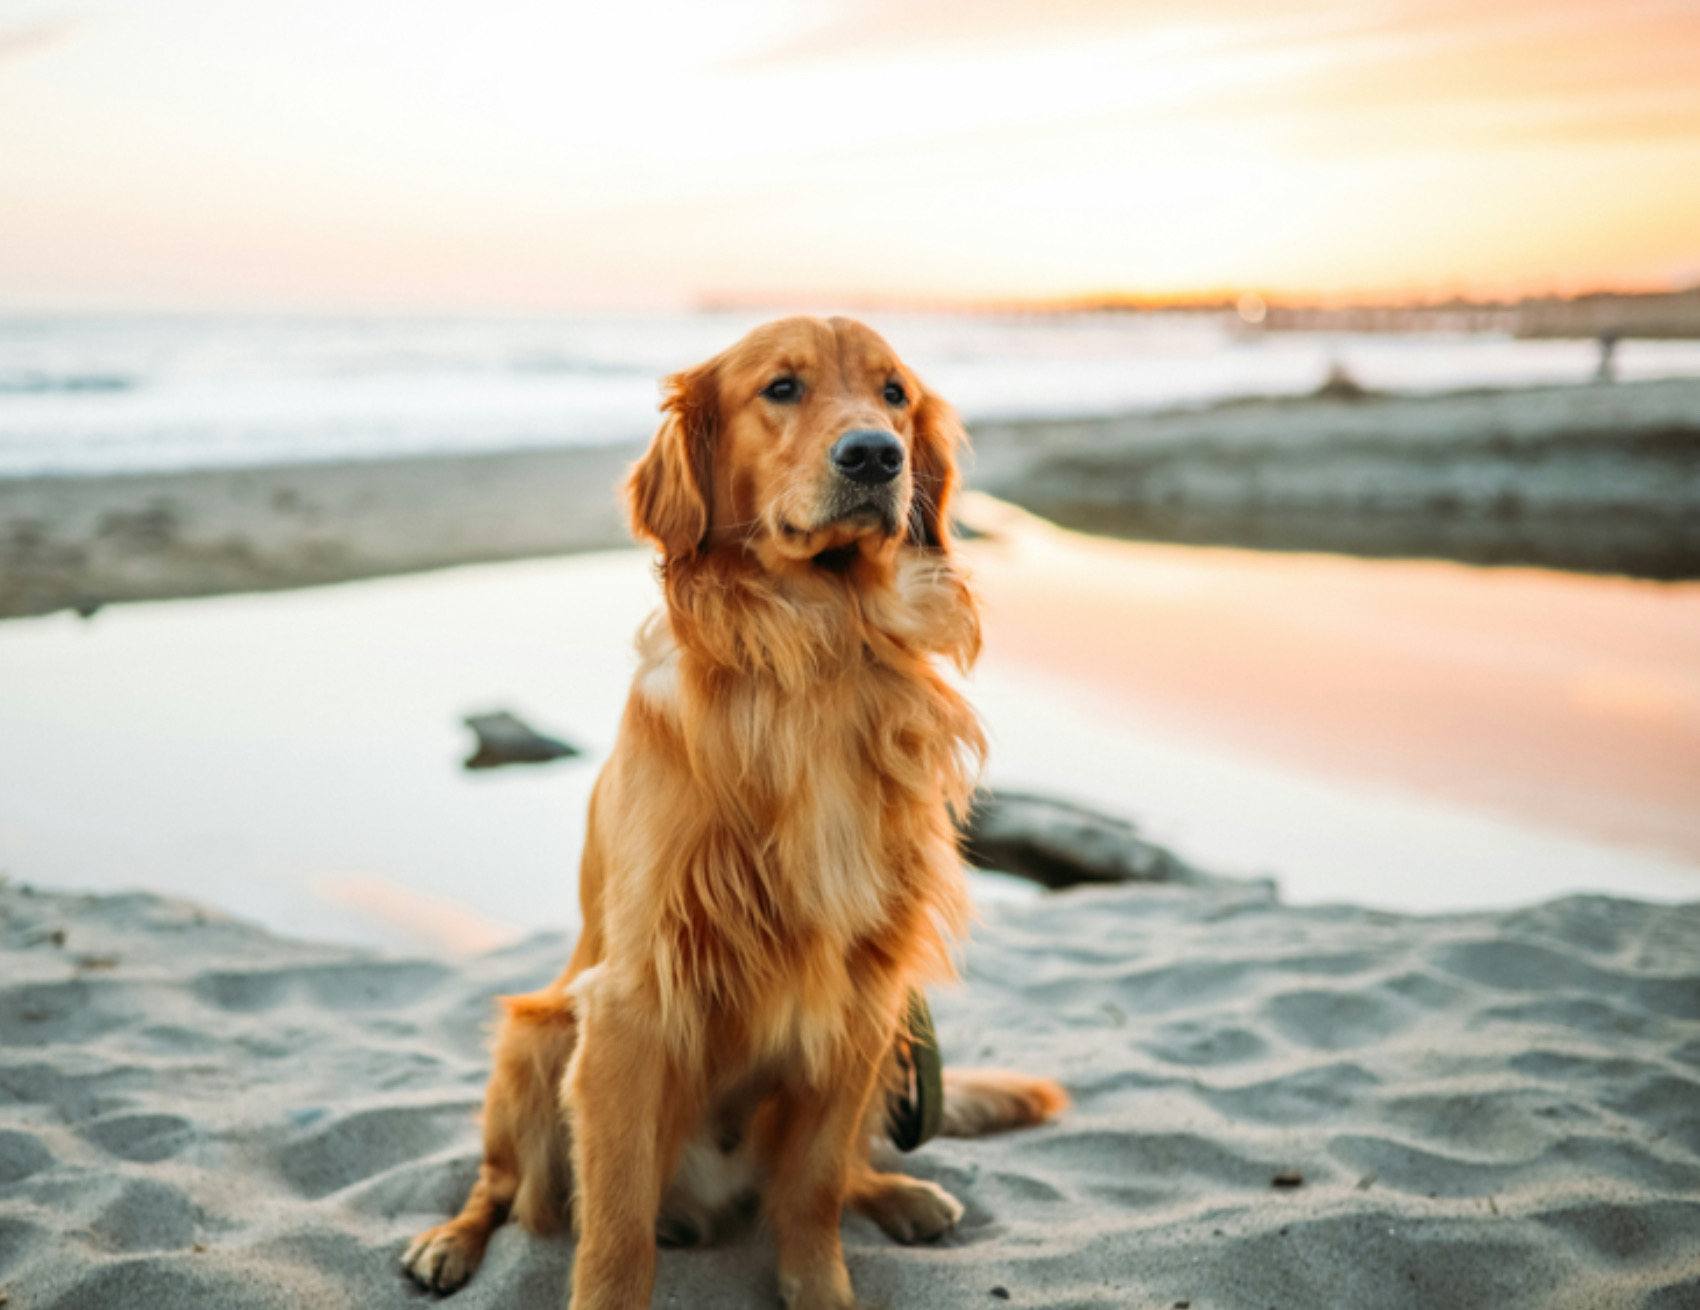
<point x="916" y="1108"/>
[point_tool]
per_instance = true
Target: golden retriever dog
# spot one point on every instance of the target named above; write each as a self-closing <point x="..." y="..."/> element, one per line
<point x="770" y="866"/>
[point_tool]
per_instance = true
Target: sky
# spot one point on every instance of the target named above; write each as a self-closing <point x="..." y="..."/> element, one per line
<point x="515" y="155"/>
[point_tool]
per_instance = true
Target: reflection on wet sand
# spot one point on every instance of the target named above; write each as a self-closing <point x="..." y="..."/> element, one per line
<point x="1568" y="700"/>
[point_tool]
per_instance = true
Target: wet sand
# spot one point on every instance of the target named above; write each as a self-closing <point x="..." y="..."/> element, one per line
<point x="83" y="542"/>
<point x="1591" y="478"/>
<point x="295" y="757"/>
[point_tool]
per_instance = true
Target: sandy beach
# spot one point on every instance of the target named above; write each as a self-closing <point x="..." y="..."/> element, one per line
<point x="1496" y="1107"/>
<point x="1273" y="1107"/>
<point x="1376" y="1064"/>
<point x="1319" y="570"/>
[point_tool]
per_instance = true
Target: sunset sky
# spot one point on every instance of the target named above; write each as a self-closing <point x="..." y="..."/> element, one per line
<point x="537" y="154"/>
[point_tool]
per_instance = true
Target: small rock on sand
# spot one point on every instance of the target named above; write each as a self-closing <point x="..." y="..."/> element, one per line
<point x="505" y="738"/>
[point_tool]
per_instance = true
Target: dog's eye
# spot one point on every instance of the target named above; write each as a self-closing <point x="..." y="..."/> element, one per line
<point x="895" y="394"/>
<point x="784" y="390"/>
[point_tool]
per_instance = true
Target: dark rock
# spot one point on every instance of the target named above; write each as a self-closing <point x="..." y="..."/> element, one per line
<point x="504" y="738"/>
<point x="1340" y="385"/>
<point x="1060" y="844"/>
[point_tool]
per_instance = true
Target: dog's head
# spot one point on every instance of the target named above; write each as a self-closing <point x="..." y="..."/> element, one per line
<point x="808" y="441"/>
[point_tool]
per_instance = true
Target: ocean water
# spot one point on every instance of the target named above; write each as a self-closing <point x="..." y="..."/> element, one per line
<point x="103" y="395"/>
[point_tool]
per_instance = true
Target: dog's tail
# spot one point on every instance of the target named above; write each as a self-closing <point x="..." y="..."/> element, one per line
<point x="982" y="1101"/>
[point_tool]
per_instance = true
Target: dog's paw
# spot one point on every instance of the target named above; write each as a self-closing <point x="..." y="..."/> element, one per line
<point x="441" y="1259"/>
<point x="911" y="1210"/>
<point x="678" y="1232"/>
<point x="829" y="1293"/>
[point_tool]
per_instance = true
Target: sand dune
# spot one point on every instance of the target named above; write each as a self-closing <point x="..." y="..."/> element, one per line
<point x="1478" y="1110"/>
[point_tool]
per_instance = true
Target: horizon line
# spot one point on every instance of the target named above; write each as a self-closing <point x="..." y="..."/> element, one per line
<point x="1215" y="300"/>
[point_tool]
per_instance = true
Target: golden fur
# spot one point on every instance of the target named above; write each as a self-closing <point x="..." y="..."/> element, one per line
<point x="770" y="863"/>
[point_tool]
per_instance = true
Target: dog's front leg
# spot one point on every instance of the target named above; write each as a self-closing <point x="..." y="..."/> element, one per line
<point x="819" y="1140"/>
<point x="630" y="1117"/>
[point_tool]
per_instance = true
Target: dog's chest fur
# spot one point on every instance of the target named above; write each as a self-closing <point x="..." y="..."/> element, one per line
<point x="825" y="861"/>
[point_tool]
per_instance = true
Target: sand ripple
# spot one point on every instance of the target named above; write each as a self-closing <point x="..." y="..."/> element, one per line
<point x="1484" y="1110"/>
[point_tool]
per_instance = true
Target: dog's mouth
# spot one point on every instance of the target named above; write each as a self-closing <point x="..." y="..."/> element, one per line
<point x="839" y="536"/>
<point x="869" y="516"/>
<point x="837" y="559"/>
<point x="859" y="520"/>
<point x="840" y="522"/>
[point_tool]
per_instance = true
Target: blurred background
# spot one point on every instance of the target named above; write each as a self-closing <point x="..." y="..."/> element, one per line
<point x="1333" y="372"/>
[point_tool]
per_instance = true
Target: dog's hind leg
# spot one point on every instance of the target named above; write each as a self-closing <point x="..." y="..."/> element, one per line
<point x="526" y="1169"/>
<point x="910" y="1210"/>
<point x="976" y="1102"/>
<point x="982" y="1101"/>
<point x="443" y="1258"/>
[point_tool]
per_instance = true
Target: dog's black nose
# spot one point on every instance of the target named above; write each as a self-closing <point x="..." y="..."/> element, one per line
<point x="868" y="456"/>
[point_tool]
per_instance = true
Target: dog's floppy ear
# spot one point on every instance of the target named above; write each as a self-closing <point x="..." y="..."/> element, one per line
<point x="669" y="490"/>
<point x="938" y="438"/>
